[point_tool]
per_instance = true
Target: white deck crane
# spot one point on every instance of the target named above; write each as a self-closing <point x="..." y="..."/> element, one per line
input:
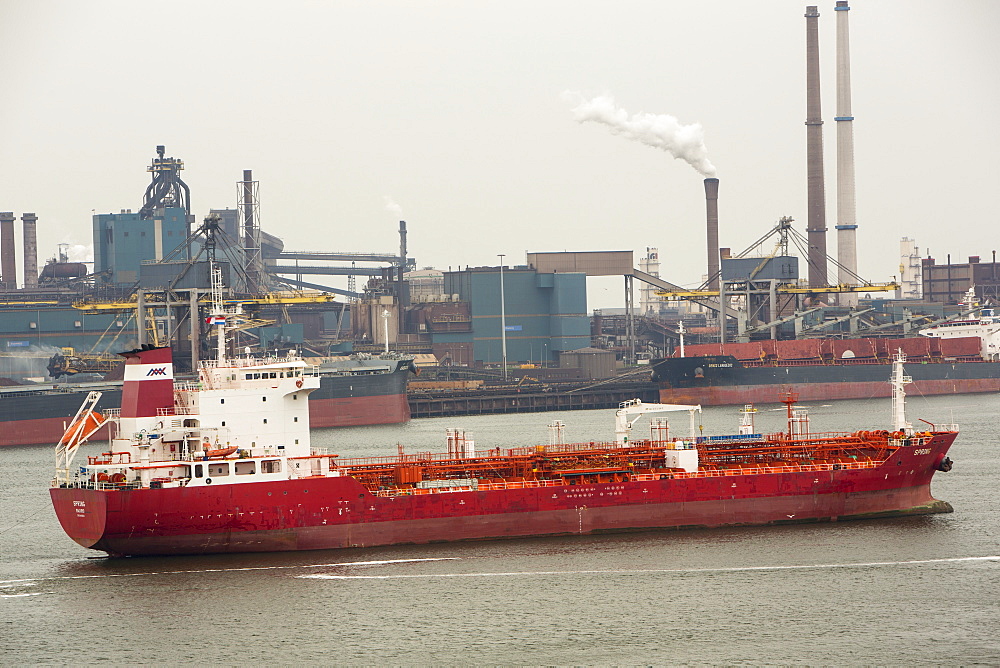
<point x="623" y="425"/>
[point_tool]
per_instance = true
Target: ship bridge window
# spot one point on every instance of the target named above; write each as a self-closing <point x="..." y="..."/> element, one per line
<point x="249" y="376"/>
<point x="270" y="466"/>
<point x="219" y="469"/>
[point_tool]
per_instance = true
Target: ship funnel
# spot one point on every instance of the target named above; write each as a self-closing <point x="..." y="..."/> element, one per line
<point x="712" y="211"/>
<point x="149" y="382"/>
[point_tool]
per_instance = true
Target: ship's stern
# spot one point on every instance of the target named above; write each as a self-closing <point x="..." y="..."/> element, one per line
<point x="82" y="513"/>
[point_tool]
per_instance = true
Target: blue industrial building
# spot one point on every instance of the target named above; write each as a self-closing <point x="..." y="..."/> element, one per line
<point x="545" y="313"/>
<point x="122" y="241"/>
<point x="43" y="328"/>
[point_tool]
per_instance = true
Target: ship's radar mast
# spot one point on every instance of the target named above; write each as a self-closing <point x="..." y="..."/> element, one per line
<point x="221" y="318"/>
<point x="898" y="380"/>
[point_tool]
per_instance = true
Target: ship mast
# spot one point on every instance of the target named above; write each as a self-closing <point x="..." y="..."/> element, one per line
<point x="898" y="380"/>
<point x="218" y="316"/>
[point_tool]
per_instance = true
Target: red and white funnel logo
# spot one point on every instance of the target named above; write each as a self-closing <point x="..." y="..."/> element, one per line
<point x="149" y="382"/>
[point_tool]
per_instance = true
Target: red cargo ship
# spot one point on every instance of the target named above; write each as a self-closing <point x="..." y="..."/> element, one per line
<point x="225" y="465"/>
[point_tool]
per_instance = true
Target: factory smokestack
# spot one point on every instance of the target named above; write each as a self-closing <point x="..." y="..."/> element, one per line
<point x="402" y="248"/>
<point x="816" y="224"/>
<point x="712" y="211"/>
<point x="847" y="248"/>
<point x="29" y="239"/>
<point x="7" y="265"/>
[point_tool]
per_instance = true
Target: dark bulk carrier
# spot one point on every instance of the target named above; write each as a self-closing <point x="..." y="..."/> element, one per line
<point x="352" y="392"/>
<point x="226" y="465"/>
<point x="951" y="358"/>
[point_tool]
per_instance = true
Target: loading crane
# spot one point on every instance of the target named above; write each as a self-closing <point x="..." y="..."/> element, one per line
<point x="623" y="425"/>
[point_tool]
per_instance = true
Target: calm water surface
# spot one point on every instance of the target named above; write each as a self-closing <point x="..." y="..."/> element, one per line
<point x="908" y="591"/>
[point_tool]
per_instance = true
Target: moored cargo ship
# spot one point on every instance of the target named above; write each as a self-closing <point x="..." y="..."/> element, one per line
<point x="225" y="465"/>
<point x="822" y="369"/>
<point x="352" y="392"/>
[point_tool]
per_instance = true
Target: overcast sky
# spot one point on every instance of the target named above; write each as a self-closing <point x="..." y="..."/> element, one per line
<point x="453" y="116"/>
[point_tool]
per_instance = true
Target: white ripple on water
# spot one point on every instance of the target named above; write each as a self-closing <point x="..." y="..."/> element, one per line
<point x="646" y="571"/>
<point x="380" y="562"/>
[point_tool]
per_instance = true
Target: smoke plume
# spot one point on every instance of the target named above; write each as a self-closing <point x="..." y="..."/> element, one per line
<point x="391" y="206"/>
<point x="662" y="131"/>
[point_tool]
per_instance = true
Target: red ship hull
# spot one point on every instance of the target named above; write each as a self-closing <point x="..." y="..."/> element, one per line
<point x="359" y="411"/>
<point x="323" y="512"/>
<point x="734" y="395"/>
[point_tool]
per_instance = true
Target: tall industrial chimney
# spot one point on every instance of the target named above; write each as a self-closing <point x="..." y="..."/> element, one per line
<point x="402" y="249"/>
<point x="847" y="248"/>
<point x="29" y="239"/>
<point x="8" y="280"/>
<point x="712" y="211"/>
<point x="816" y="223"/>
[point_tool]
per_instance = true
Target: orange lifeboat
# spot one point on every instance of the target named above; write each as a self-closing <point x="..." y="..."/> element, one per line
<point x="80" y="427"/>
<point x="220" y="452"/>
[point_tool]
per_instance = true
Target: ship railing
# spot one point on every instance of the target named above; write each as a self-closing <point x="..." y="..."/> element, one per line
<point x="480" y="487"/>
<point x="175" y="410"/>
<point x="250" y="362"/>
<point x="111" y="413"/>
<point x="745" y="469"/>
<point x="83" y="483"/>
<point x="814" y="361"/>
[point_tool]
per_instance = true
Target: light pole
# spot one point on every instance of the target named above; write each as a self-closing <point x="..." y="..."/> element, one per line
<point x="503" y="322"/>
<point x="385" y="318"/>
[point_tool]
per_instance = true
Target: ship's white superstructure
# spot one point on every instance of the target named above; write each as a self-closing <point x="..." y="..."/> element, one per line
<point x="979" y="322"/>
<point x="246" y="419"/>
